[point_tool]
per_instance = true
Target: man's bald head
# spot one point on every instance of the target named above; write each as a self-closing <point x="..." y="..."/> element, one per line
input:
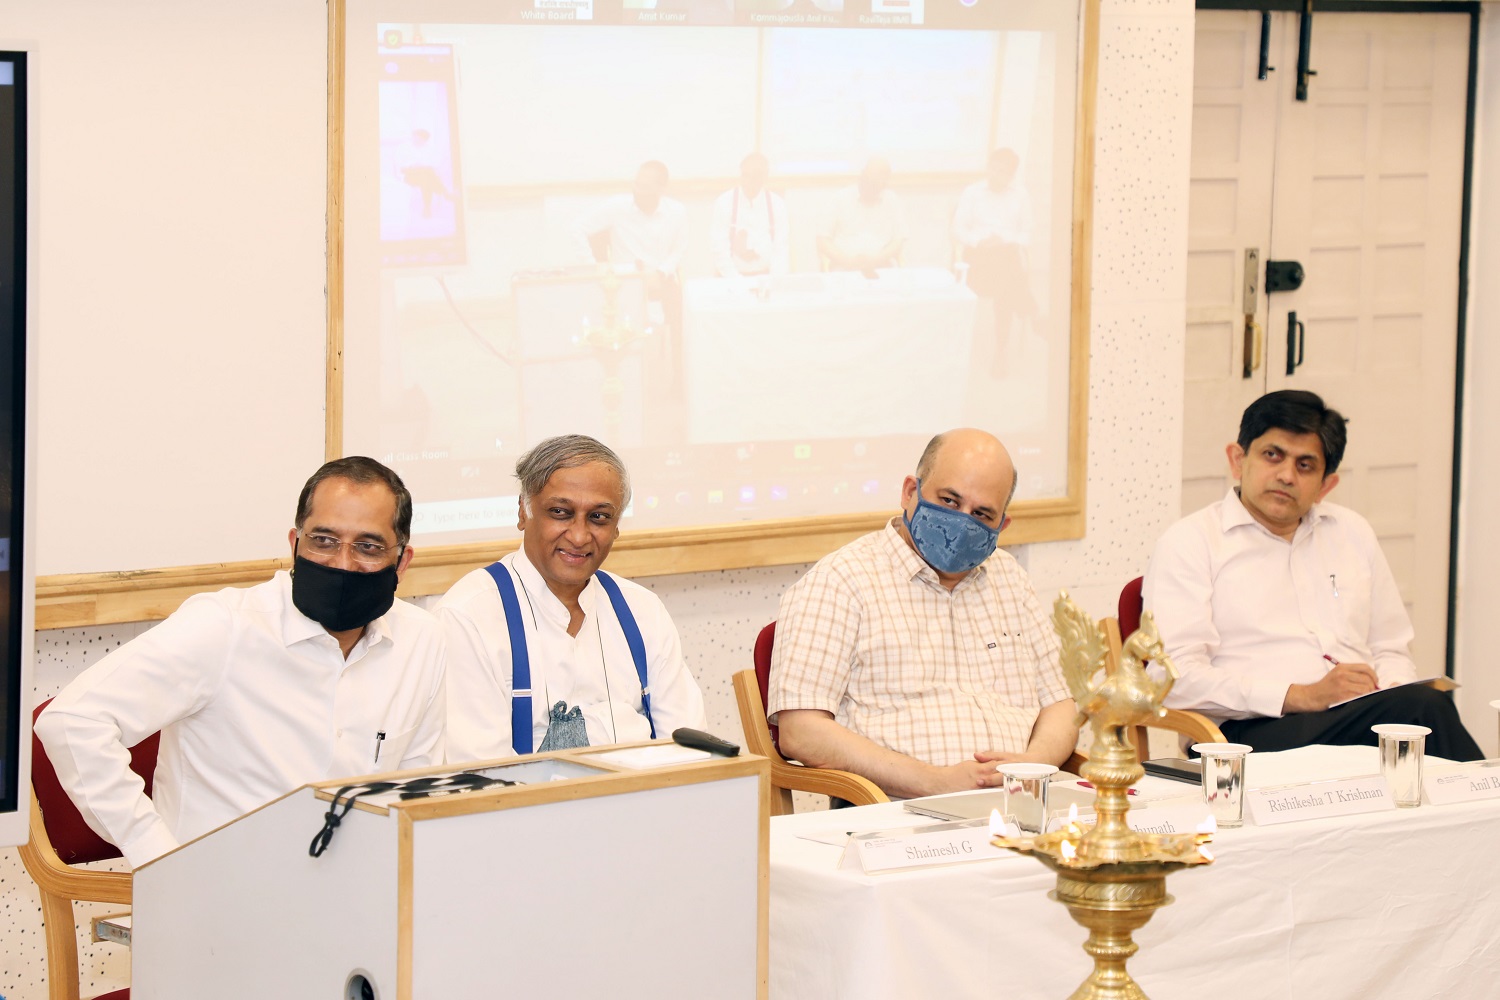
<point x="970" y="448"/>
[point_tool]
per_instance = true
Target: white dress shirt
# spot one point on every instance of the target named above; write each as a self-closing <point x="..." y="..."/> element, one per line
<point x="593" y="670"/>
<point x="861" y="228"/>
<point x="764" y="222"/>
<point x="983" y="213"/>
<point x="253" y="699"/>
<point x="1245" y="615"/>
<point x="655" y="241"/>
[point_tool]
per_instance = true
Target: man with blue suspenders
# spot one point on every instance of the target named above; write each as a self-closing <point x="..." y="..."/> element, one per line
<point x="546" y="650"/>
<point x="750" y="231"/>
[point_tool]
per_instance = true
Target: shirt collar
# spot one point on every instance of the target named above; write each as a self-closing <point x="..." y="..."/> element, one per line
<point x="1235" y="514"/>
<point x="297" y="627"/>
<point x="912" y="566"/>
<point x="380" y="630"/>
<point x="547" y="603"/>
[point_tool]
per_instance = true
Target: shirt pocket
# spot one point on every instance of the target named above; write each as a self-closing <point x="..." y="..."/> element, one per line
<point x="999" y="664"/>
<point x="1349" y="592"/>
<point x="394" y="748"/>
<point x="370" y="751"/>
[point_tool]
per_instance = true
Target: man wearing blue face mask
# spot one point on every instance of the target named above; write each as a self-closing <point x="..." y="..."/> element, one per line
<point x="313" y="675"/>
<point x="919" y="656"/>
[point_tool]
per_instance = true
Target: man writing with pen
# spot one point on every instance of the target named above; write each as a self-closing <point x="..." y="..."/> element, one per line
<point x="1279" y="608"/>
<point x="316" y="674"/>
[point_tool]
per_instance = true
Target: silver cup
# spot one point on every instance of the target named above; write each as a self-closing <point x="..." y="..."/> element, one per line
<point x="1224" y="781"/>
<point x="1025" y="788"/>
<point x="1401" y="751"/>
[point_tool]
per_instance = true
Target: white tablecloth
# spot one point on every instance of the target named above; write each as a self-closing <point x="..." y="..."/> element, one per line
<point x="1400" y="904"/>
<point x="826" y="355"/>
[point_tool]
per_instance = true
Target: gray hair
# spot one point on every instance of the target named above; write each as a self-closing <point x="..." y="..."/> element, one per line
<point x="929" y="455"/>
<point x="566" y="451"/>
<point x="364" y="472"/>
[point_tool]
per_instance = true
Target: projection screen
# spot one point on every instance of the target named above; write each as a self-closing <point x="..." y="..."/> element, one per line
<point x="762" y="248"/>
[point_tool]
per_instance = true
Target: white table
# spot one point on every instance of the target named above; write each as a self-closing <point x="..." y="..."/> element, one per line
<point x="1400" y="904"/>
<point x="823" y="355"/>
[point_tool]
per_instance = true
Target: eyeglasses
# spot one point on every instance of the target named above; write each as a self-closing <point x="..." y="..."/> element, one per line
<point x="363" y="551"/>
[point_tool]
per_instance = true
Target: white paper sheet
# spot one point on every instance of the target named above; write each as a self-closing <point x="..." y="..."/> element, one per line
<point x="661" y="755"/>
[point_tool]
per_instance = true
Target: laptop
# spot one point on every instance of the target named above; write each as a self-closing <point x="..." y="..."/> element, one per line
<point x="979" y="805"/>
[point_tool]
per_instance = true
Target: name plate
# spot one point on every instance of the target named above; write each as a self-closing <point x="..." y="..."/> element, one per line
<point x="922" y="846"/>
<point x="1319" y="799"/>
<point x="1466" y="783"/>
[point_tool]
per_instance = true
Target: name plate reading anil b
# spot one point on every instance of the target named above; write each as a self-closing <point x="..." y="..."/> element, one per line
<point x="1469" y="782"/>
<point x="1319" y="799"/>
<point x="921" y="846"/>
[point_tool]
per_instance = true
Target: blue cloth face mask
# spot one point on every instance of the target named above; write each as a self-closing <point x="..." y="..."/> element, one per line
<point x="949" y="540"/>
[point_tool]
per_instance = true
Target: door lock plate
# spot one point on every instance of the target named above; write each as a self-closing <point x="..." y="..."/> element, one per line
<point x="1284" y="275"/>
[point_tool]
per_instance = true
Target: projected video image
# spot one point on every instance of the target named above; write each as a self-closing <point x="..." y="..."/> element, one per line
<point x="421" y="218"/>
<point x="763" y="263"/>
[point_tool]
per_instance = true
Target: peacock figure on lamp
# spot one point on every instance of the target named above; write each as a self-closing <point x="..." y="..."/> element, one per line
<point x="1111" y="878"/>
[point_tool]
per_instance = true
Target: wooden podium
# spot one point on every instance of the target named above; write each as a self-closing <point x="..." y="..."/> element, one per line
<point x="587" y="879"/>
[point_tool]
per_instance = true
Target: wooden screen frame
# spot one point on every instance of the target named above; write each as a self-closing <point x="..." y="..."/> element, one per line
<point x="82" y="599"/>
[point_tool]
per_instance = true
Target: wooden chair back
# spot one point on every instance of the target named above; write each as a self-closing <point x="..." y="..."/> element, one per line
<point x="750" y="688"/>
<point x="58" y="843"/>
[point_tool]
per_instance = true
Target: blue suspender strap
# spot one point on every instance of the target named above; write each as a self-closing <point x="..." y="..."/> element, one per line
<point x="520" y="661"/>
<point x="632" y="639"/>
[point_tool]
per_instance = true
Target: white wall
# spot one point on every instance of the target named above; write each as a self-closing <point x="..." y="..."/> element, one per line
<point x="178" y="203"/>
<point x="1138" y="304"/>
<point x="1135" y="399"/>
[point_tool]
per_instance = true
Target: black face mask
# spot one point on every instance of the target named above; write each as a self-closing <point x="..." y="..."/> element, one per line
<point x="341" y="599"/>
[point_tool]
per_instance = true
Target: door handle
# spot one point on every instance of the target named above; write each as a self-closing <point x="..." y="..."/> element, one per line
<point x="1265" y="46"/>
<point x="1304" y="52"/>
<point x="1296" y="342"/>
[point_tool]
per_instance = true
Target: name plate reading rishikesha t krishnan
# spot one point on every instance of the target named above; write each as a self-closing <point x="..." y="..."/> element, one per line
<point x="1468" y="782"/>
<point x="1319" y="799"/>
<point x="922" y="846"/>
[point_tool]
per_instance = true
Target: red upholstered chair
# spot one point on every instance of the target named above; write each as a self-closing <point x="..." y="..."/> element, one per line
<point x="1192" y="727"/>
<point x="1129" y="607"/>
<point x="60" y="841"/>
<point x="761" y="737"/>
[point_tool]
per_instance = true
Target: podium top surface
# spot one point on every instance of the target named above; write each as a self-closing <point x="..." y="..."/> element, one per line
<point x="534" y="779"/>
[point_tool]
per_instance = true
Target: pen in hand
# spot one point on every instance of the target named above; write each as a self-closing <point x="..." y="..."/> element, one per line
<point x="1375" y="678"/>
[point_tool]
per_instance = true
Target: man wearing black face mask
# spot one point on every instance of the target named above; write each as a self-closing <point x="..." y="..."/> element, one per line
<point x="313" y="675"/>
<point x="919" y="656"/>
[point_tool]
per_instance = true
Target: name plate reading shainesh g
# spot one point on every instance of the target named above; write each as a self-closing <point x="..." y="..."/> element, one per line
<point x="921" y="846"/>
<point x="1319" y="799"/>
<point x="1469" y="782"/>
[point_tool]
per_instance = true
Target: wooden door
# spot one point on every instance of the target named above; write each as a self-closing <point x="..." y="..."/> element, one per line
<point x="1364" y="190"/>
